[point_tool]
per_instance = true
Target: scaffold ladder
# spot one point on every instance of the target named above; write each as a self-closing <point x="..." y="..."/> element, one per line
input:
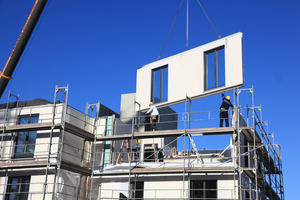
<point x="196" y="150"/>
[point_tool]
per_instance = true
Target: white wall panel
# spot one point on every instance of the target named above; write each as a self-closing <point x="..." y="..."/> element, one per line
<point x="186" y="72"/>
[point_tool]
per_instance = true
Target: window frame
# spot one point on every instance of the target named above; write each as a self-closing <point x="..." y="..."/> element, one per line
<point x="148" y="150"/>
<point x="161" y="85"/>
<point x="24" y="153"/>
<point x="22" y="192"/>
<point x="216" y="67"/>
<point x="204" y="190"/>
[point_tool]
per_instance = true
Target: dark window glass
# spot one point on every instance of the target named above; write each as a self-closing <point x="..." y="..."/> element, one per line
<point x="17" y="188"/>
<point x="211" y="70"/>
<point x="214" y="68"/>
<point x="165" y="75"/>
<point x="137" y="190"/>
<point x="203" y="190"/>
<point x="159" y="84"/>
<point x="25" y="141"/>
<point x="221" y="67"/>
<point x="149" y="153"/>
<point x="247" y="196"/>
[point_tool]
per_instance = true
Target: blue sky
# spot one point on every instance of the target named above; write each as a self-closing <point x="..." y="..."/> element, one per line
<point x="96" y="46"/>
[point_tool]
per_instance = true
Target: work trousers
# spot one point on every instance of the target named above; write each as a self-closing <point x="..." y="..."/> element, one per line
<point x="153" y="123"/>
<point x="224" y="115"/>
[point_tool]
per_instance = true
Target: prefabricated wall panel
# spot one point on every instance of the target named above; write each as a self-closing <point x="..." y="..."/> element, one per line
<point x="186" y="73"/>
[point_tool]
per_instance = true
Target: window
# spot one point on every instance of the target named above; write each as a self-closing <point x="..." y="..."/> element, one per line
<point x="149" y="153"/>
<point x="159" y="84"/>
<point x="137" y="190"/>
<point x="107" y="144"/>
<point x="214" y="68"/>
<point x="25" y="141"/>
<point x="203" y="190"/>
<point x="17" y="188"/>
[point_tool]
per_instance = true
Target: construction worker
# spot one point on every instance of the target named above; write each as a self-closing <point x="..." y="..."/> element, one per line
<point x="136" y="150"/>
<point x="154" y="113"/>
<point x="224" y="110"/>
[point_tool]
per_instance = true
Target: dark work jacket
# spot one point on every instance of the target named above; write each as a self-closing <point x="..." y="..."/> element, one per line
<point x="226" y="103"/>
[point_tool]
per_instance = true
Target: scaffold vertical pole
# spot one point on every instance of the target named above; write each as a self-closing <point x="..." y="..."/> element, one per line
<point x="63" y="120"/>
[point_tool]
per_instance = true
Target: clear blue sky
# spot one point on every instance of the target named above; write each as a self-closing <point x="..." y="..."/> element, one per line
<point x="96" y="46"/>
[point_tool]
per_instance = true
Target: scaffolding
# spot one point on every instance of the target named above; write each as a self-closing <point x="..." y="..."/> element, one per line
<point x="52" y="161"/>
<point x="76" y="151"/>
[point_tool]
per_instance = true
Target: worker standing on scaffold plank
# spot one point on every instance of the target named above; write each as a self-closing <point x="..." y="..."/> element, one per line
<point x="154" y="113"/>
<point x="224" y="110"/>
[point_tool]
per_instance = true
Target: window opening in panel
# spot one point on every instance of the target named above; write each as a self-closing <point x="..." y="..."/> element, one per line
<point x="214" y="67"/>
<point x="159" y="90"/>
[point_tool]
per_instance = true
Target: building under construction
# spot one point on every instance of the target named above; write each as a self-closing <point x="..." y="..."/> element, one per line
<point x="50" y="150"/>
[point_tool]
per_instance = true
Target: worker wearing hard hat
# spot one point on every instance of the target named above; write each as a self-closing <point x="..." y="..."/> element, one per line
<point x="224" y="110"/>
<point x="154" y="113"/>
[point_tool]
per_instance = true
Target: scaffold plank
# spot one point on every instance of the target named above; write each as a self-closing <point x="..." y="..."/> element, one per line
<point x="172" y="170"/>
<point x="29" y="127"/>
<point x="43" y="163"/>
<point x="168" y="133"/>
<point x="79" y="132"/>
<point x="249" y="134"/>
<point x="263" y="185"/>
<point x="23" y="164"/>
<point x="268" y="160"/>
<point x="47" y="126"/>
<point x="75" y="168"/>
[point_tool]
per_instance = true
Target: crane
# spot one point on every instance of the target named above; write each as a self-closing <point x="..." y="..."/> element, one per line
<point x="6" y="73"/>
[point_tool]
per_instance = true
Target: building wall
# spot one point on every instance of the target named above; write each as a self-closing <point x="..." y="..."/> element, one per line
<point x="37" y="180"/>
<point x="165" y="189"/>
<point x="226" y="189"/>
<point x="72" y="151"/>
<point x="42" y="139"/>
<point x="166" y="186"/>
<point x="112" y="190"/>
